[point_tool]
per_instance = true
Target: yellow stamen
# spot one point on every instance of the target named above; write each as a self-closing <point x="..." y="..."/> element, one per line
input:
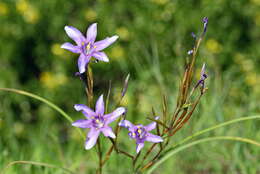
<point x="88" y="47"/>
<point x="139" y="131"/>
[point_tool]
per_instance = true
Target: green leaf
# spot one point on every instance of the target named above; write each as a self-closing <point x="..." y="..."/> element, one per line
<point x="204" y="140"/>
<point x="52" y="105"/>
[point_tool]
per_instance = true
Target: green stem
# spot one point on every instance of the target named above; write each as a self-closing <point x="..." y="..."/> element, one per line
<point x="99" y="171"/>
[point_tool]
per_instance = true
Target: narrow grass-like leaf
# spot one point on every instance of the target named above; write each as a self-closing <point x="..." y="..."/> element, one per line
<point x="37" y="164"/>
<point x="52" y="105"/>
<point x="181" y="148"/>
<point x="217" y="126"/>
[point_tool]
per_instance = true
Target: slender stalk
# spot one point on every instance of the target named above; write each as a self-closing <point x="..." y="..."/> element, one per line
<point x="99" y="156"/>
<point x="158" y="122"/>
<point x="187" y="117"/>
<point x="135" y="159"/>
<point x="107" y="156"/>
<point x="149" y="151"/>
<point x="164" y="111"/>
<point x="125" y="153"/>
<point x="108" y="95"/>
<point x="89" y="88"/>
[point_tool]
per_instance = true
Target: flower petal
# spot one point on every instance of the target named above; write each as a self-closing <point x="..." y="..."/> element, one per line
<point x="74" y="34"/>
<point x="100" y="106"/>
<point x="108" y="132"/>
<point x="85" y="110"/>
<point x="100" y="56"/>
<point x="150" y="126"/>
<point x="70" y="47"/>
<point x="82" y="123"/>
<point x="92" y="138"/>
<point x="113" y="116"/>
<point x="100" y="45"/>
<point x="126" y="124"/>
<point x="139" y="146"/>
<point x="82" y="62"/>
<point x="153" y="138"/>
<point x="92" y="33"/>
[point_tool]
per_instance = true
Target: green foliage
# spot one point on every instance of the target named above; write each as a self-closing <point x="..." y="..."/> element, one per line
<point x="154" y="40"/>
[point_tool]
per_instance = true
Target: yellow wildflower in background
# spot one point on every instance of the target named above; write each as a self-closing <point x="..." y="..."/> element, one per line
<point x="213" y="46"/>
<point x="251" y="78"/>
<point x="247" y="65"/>
<point x="18" y="128"/>
<point x="160" y="2"/>
<point x="57" y="50"/>
<point x="91" y="15"/>
<point x="123" y="33"/>
<point x="238" y="58"/>
<point x="51" y="80"/>
<point x="257" y="19"/>
<point x="255" y="2"/>
<point x="29" y="12"/>
<point x="3" y="9"/>
<point x="117" y="52"/>
<point x="22" y="6"/>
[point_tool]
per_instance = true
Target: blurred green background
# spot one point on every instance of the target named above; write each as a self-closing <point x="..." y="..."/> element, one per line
<point x="155" y="36"/>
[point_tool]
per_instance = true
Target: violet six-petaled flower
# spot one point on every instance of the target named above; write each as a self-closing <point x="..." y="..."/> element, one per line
<point x="96" y="121"/>
<point x="86" y="46"/>
<point x="141" y="133"/>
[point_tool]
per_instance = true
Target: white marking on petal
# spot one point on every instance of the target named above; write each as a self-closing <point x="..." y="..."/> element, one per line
<point x="92" y="33"/>
<point x="100" y="106"/>
<point x="74" y="34"/>
<point x="100" y="45"/>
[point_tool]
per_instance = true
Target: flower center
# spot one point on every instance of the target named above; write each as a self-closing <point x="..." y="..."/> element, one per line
<point x="88" y="47"/>
<point x="139" y="133"/>
<point x="98" y="122"/>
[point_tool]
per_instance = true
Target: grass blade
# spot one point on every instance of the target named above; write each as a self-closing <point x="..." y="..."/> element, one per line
<point x="37" y="164"/>
<point x="52" y="105"/>
<point x="217" y="126"/>
<point x="204" y="140"/>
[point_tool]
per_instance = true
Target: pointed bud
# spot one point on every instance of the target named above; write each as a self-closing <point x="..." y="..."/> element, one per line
<point x="190" y="52"/>
<point x="205" y="24"/>
<point x="193" y="35"/>
<point x="125" y="85"/>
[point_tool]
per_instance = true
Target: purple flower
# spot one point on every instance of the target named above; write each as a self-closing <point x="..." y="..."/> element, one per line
<point x="96" y="121"/>
<point x="141" y="133"/>
<point x="205" y="24"/>
<point x="193" y="35"/>
<point x="86" y="46"/>
<point x="203" y="77"/>
<point x="190" y="52"/>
